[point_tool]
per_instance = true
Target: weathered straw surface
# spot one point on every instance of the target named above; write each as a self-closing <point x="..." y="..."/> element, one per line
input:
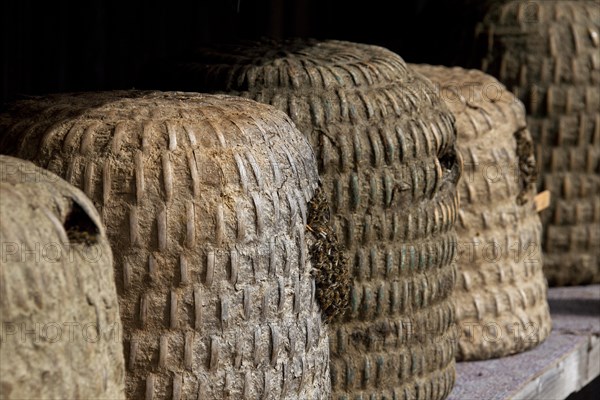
<point x="501" y="302"/>
<point x="386" y="154"/>
<point x="205" y="202"/>
<point x="61" y="336"/>
<point x="548" y="53"/>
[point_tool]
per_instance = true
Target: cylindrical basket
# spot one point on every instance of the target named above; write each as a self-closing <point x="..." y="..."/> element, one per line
<point x="548" y="54"/>
<point x="61" y="333"/>
<point x="385" y="147"/>
<point x="501" y="302"/>
<point x="205" y="202"/>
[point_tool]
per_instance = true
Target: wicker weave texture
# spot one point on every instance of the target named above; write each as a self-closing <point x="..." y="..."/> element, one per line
<point x="548" y="54"/>
<point x="61" y="333"/>
<point x="205" y="202"/>
<point x="386" y="155"/>
<point x="501" y="295"/>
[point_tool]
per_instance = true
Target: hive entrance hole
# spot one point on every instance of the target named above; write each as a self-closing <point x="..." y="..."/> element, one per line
<point x="451" y="164"/>
<point x="447" y="161"/>
<point x="79" y="226"/>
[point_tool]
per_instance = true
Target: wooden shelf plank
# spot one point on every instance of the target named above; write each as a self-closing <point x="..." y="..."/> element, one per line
<point x="567" y="361"/>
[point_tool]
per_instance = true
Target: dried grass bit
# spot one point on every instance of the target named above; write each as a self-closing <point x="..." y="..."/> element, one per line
<point x="527" y="166"/>
<point x="330" y="267"/>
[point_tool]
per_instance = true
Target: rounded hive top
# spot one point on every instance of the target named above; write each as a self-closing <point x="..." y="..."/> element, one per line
<point x="294" y="64"/>
<point x="111" y="124"/>
<point x="483" y="104"/>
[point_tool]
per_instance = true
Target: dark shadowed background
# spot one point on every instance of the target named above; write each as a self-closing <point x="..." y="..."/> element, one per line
<point x="95" y="45"/>
<point x="60" y="45"/>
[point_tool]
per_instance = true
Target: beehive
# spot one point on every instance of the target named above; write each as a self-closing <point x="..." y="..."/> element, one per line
<point x="386" y="155"/>
<point x="548" y="53"/>
<point x="501" y="304"/>
<point x="205" y="202"/>
<point x="61" y="336"/>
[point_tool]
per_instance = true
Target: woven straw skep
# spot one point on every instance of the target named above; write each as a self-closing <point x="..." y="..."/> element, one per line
<point x="548" y="54"/>
<point x="387" y="160"/>
<point x="501" y="302"/>
<point x="205" y="202"/>
<point x="61" y="333"/>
